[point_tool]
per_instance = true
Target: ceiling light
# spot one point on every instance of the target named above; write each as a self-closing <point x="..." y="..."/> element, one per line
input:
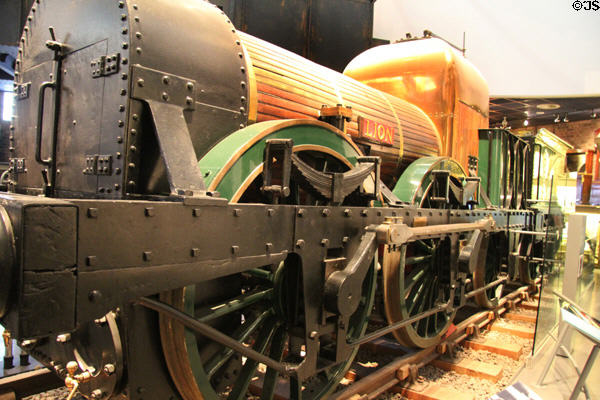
<point x="526" y="122"/>
<point x="594" y="115"/>
<point x="566" y="118"/>
<point x="557" y="119"/>
<point x="548" y="106"/>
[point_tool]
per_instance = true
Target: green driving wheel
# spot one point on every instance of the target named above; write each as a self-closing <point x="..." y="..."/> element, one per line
<point x="262" y="308"/>
<point x="497" y="250"/>
<point x="416" y="276"/>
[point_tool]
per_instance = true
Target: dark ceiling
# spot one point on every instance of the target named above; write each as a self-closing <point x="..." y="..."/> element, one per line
<point x="542" y="110"/>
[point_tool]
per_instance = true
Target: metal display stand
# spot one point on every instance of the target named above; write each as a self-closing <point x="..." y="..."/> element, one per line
<point x="575" y="317"/>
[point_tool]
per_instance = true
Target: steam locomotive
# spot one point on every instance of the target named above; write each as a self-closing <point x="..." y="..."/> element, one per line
<point x="195" y="213"/>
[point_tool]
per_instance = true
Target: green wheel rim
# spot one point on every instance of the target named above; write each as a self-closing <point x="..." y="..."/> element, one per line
<point x="230" y="168"/>
<point x="413" y="284"/>
<point x="413" y="274"/>
<point x="497" y="248"/>
<point x="236" y="161"/>
<point x="415" y="182"/>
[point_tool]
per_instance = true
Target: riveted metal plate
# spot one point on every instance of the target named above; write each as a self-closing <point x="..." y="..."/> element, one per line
<point x="149" y="84"/>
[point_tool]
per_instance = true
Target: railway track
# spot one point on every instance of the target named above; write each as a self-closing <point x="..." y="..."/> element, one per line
<point x="386" y="370"/>
<point x="400" y="371"/>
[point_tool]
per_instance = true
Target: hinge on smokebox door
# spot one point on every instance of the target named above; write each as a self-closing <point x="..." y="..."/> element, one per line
<point x="96" y="164"/>
<point x="22" y="90"/>
<point x="105" y="65"/>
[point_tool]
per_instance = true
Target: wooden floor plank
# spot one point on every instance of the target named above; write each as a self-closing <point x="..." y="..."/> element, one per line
<point x="474" y="368"/>
<point x="520" y="317"/>
<point x="511" y="350"/>
<point x="529" y="305"/>
<point x="432" y="391"/>
<point x="515" y="330"/>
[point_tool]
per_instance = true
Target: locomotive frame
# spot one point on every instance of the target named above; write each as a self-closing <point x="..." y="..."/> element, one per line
<point x="110" y="217"/>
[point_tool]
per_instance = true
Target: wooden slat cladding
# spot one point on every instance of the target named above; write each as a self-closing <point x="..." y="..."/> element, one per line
<point x="289" y="86"/>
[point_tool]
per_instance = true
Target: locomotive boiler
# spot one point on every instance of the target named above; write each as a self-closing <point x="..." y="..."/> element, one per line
<point x="195" y="213"/>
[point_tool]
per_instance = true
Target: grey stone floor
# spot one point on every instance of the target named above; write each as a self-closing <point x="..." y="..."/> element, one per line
<point x="562" y="377"/>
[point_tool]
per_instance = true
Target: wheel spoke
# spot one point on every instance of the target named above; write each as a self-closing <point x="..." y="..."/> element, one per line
<point x="260" y="273"/>
<point x="418" y="298"/>
<point x="424" y="246"/>
<point x="430" y="304"/>
<point x="243" y="381"/>
<point x="416" y="260"/>
<point x="242" y="333"/>
<point x="412" y="278"/>
<point x="423" y="303"/>
<point x="207" y="314"/>
<point x="276" y="353"/>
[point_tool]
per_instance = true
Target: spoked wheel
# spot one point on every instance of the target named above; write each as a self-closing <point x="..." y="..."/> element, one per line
<point x="416" y="276"/>
<point x="497" y="248"/>
<point x="266" y="315"/>
<point x="415" y="281"/>
<point x="262" y="308"/>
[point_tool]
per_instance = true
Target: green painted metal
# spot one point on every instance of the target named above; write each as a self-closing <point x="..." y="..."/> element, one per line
<point x="233" y="162"/>
<point x="251" y="141"/>
<point x="484" y="161"/>
<point x="492" y="150"/>
<point x="415" y="180"/>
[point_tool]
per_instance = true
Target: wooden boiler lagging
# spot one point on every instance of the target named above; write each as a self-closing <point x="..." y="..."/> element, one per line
<point x="289" y="86"/>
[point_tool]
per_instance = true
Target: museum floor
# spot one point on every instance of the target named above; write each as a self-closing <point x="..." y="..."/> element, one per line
<point x="562" y="377"/>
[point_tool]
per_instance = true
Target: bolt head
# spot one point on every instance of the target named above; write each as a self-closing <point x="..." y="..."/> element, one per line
<point x="72" y="367"/>
<point x="109" y="369"/>
<point x="63" y="338"/>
